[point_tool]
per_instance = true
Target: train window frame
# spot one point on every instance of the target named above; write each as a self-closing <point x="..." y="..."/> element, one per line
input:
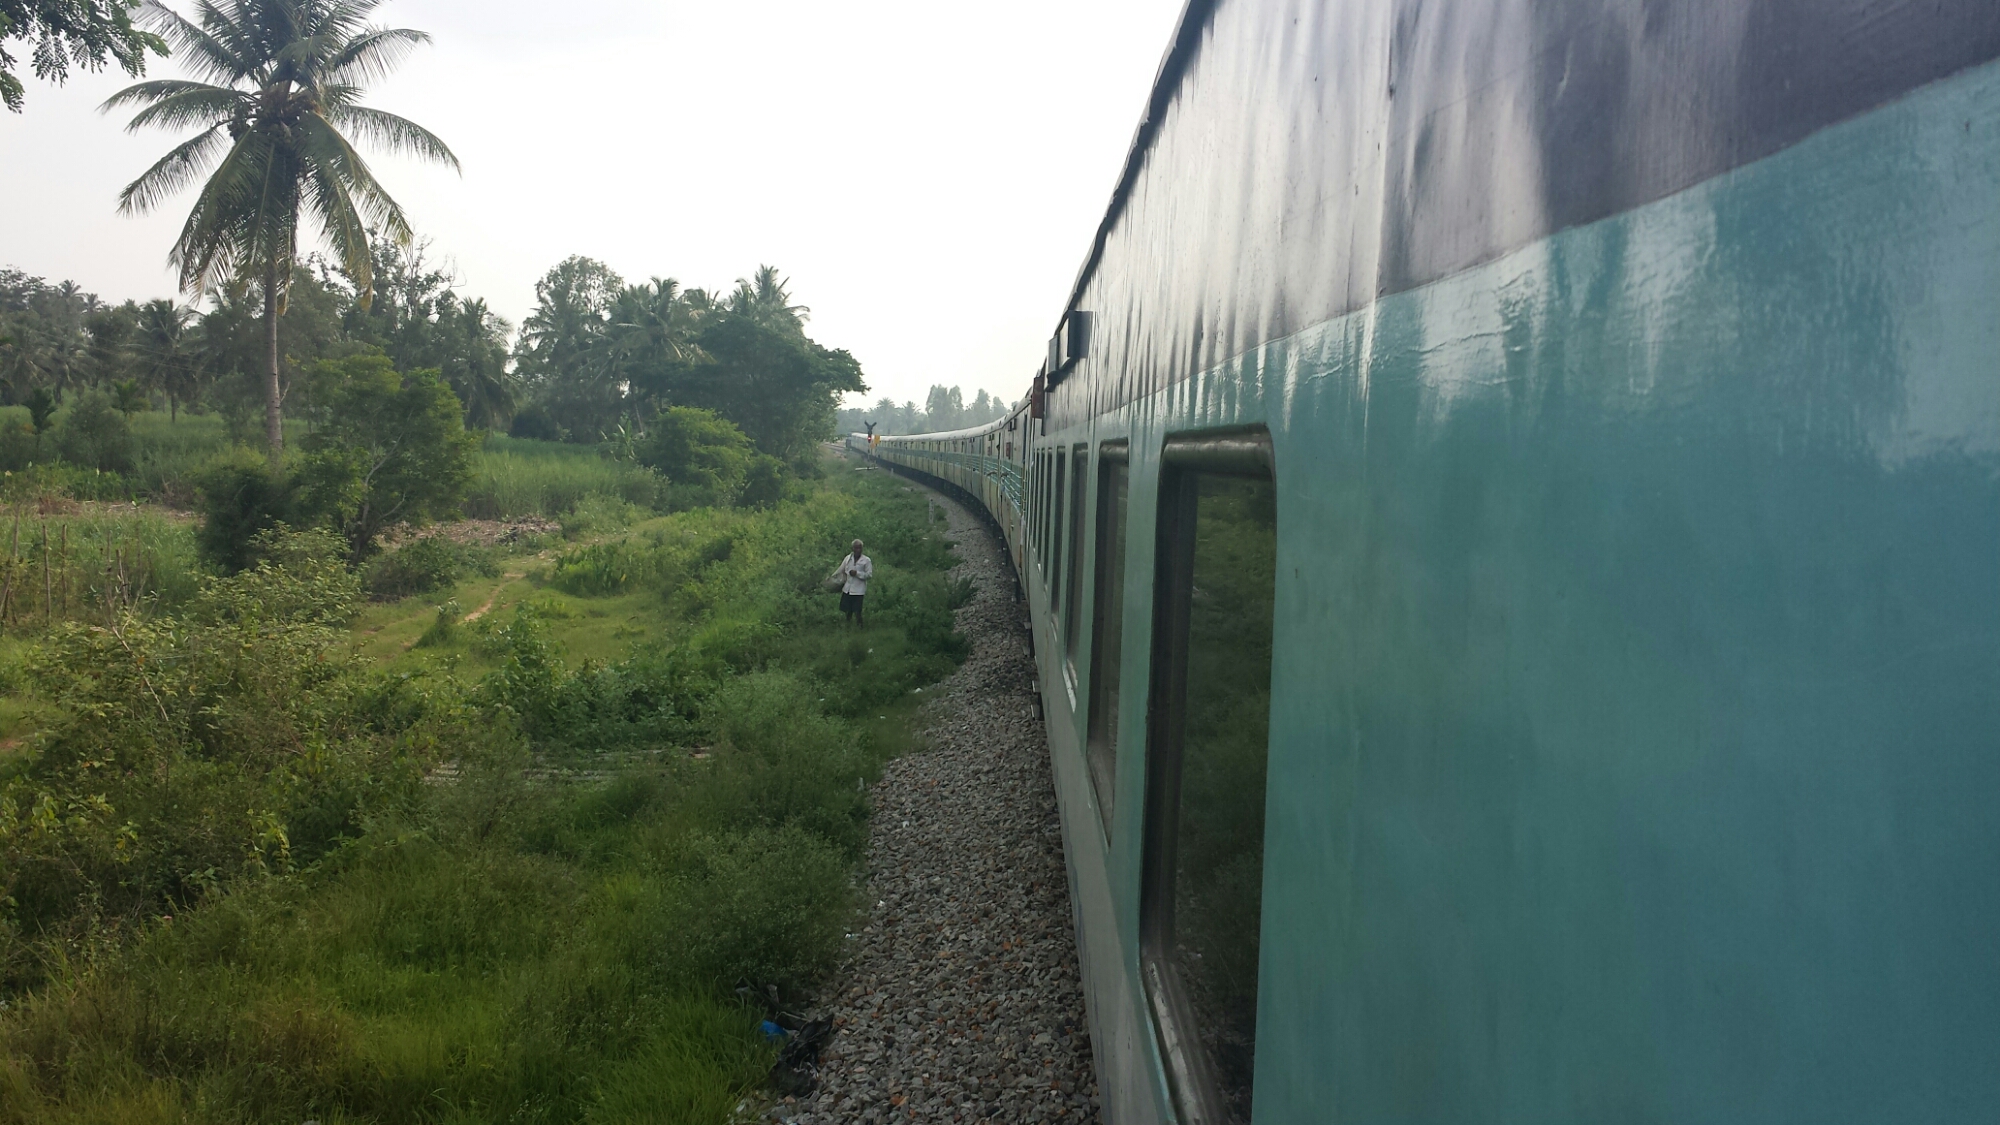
<point x="1042" y="513"/>
<point x="1196" y="1087"/>
<point x="1033" y="499"/>
<point x="1107" y="626"/>
<point x="1073" y="578"/>
<point x="1052" y="566"/>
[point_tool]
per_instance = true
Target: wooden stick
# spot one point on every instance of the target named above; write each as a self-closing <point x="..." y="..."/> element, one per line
<point x="13" y="558"/>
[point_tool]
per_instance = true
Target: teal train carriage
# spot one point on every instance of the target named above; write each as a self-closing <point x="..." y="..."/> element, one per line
<point x="1511" y="518"/>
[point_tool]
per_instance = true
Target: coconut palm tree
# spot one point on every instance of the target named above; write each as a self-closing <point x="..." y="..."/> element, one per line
<point x="278" y="98"/>
<point x="167" y="357"/>
<point x="764" y="298"/>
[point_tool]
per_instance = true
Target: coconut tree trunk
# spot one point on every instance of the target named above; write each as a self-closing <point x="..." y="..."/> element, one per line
<point x="274" y="422"/>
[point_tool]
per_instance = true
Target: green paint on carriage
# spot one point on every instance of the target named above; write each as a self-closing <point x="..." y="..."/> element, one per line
<point x="1637" y="721"/>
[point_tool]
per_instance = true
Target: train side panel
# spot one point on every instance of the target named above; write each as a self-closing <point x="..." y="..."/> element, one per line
<point x="1635" y="701"/>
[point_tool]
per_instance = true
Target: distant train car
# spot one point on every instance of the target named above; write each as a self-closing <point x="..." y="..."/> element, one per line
<point x="1511" y="515"/>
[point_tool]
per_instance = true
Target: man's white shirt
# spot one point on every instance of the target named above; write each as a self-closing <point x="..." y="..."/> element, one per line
<point x="856" y="573"/>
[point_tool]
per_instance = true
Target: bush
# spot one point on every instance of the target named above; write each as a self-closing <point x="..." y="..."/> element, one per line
<point x="765" y="483"/>
<point x="185" y="754"/>
<point x="536" y="424"/>
<point x="96" y="435"/>
<point x="768" y="907"/>
<point x="239" y="498"/>
<point x="704" y="457"/>
<point x="417" y="567"/>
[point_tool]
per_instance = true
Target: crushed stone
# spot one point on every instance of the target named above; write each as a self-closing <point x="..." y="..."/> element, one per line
<point x="961" y="999"/>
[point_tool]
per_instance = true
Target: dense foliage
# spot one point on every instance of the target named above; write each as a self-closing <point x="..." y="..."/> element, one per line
<point x="275" y="106"/>
<point x="252" y="877"/>
<point x="597" y="355"/>
<point x="66" y="33"/>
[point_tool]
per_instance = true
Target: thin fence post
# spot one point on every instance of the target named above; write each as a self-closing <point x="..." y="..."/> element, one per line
<point x="13" y="564"/>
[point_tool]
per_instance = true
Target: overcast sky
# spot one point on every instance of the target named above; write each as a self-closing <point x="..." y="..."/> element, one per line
<point x="927" y="174"/>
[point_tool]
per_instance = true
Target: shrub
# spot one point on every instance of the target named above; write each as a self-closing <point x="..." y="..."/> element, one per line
<point x="766" y="906"/>
<point x="396" y="443"/>
<point x="780" y="762"/>
<point x="96" y="435"/>
<point x="185" y="754"/>
<point x="239" y="497"/>
<point x="417" y="567"/>
<point x="702" y="454"/>
<point x="764" y="484"/>
<point x="535" y="424"/>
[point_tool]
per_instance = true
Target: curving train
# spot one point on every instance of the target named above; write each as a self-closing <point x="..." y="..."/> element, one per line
<point x="1511" y="518"/>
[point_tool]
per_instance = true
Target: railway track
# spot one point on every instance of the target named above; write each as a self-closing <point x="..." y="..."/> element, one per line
<point x="962" y="1000"/>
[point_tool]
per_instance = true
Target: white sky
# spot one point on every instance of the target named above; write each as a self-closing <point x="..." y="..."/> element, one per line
<point x="928" y="174"/>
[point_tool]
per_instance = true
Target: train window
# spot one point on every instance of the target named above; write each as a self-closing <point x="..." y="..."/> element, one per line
<point x="1079" y="480"/>
<point x="1208" y="727"/>
<point x="1033" y="497"/>
<point x="1042" y="510"/>
<point x="1052" y="552"/>
<point x="1107" y="627"/>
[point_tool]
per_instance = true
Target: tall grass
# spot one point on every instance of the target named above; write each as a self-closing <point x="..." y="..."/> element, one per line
<point x="492" y="944"/>
<point x="515" y="477"/>
<point x="92" y="560"/>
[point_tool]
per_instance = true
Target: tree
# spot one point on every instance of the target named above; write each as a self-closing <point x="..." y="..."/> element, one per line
<point x="129" y="396"/>
<point x="779" y="386"/>
<point x="110" y="332"/>
<point x="233" y="349"/>
<point x="763" y="298"/>
<point x="649" y="340"/>
<point x="419" y="321"/>
<point x="473" y="347"/>
<point x="84" y="33"/>
<point x="703" y="454"/>
<point x="393" y="448"/>
<point x="944" y="408"/>
<point x="165" y="351"/>
<point x="562" y="352"/>
<point x="283" y="79"/>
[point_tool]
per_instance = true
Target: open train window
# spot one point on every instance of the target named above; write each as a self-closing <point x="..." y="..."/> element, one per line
<point x="1107" y="627"/>
<point x="1079" y="479"/>
<point x="1208" y="724"/>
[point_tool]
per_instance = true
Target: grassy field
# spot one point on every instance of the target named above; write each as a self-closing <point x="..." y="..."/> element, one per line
<point x="512" y="477"/>
<point x="517" y="477"/>
<point x="541" y="854"/>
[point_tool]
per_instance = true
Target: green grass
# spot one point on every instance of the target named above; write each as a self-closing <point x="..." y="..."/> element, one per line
<point x="515" y="477"/>
<point x="507" y="948"/>
<point x="72" y="564"/>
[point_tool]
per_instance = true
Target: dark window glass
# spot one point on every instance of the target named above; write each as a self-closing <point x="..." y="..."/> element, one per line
<point x="1209" y="727"/>
<point x="1035" y="506"/>
<point x="1052" y="555"/>
<point x="1108" y="647"/>
<point x="1042" y="515"/>
<point x="1079" y="479"/>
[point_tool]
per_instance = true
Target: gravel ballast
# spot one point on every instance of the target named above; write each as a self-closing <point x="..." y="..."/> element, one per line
<point x="960" y="1000"/>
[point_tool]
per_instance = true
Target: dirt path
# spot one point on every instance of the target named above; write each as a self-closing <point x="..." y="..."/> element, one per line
<point x="961" y="1000"/>
<point x="505" y="580"/>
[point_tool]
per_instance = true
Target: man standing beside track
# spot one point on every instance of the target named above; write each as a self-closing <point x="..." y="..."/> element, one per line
<point x="854" y="571"/>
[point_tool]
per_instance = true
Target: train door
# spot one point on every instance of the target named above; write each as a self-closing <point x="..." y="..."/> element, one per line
<point x="1208" y="723"/>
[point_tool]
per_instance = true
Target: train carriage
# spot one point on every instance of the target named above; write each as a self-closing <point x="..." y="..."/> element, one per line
<point x="1511" y="519"/>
